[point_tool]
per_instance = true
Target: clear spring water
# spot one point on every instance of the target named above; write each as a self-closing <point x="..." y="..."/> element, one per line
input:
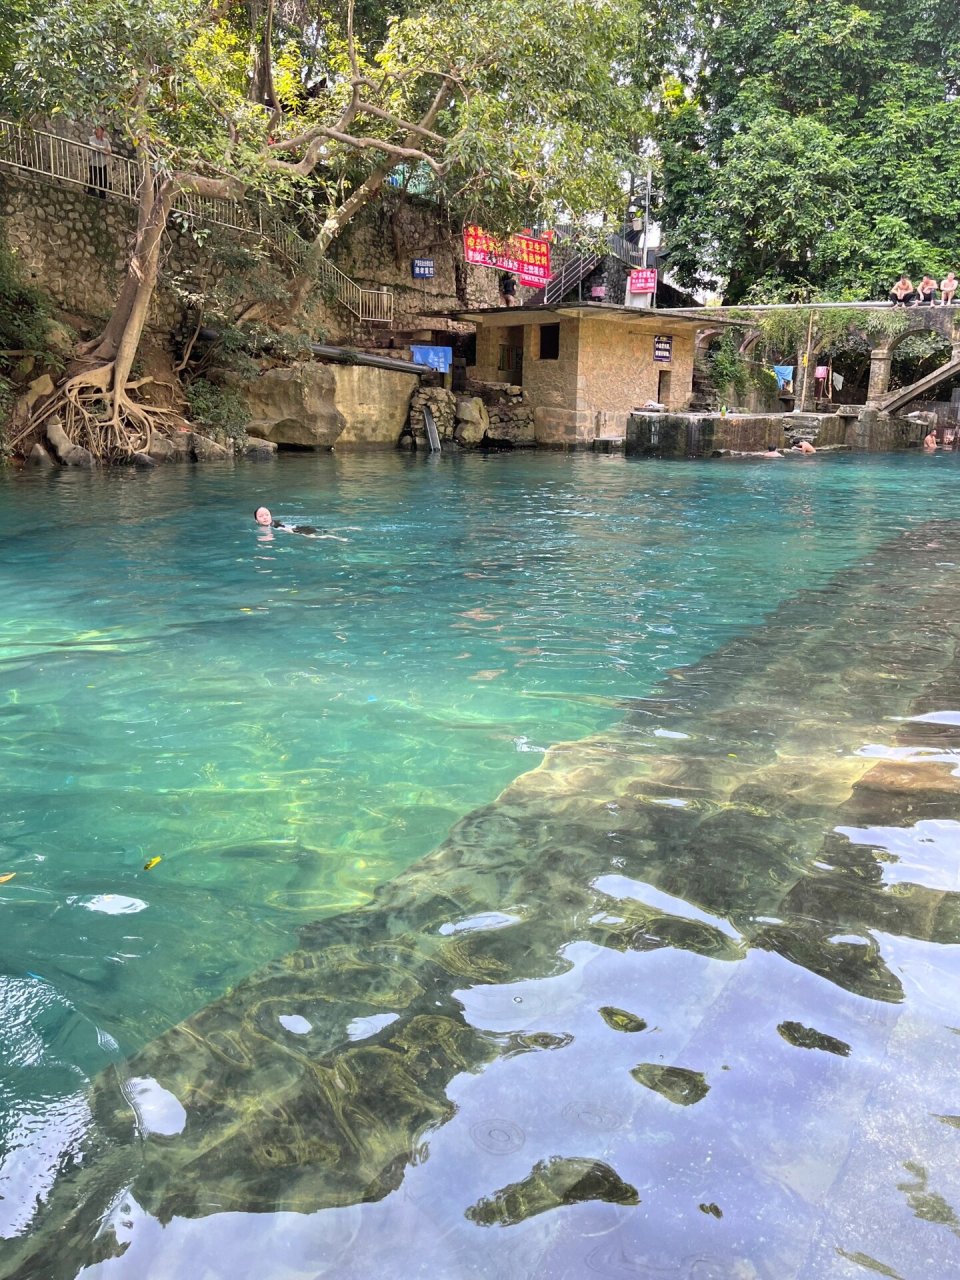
<point x="289" y="724"/>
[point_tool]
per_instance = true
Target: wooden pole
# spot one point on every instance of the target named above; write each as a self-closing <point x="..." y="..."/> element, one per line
<point x="806" y="365"/>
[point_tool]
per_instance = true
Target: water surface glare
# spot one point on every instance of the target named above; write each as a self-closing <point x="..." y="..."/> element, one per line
<point x="558" y="878"/>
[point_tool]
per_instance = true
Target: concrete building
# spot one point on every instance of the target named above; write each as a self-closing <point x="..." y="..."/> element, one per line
<point x="585" y="367"/>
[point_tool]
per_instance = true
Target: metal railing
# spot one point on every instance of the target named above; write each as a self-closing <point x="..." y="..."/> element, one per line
<point x="64" y="160"/>
<point x="570" y="274"/>
<point x="374" y="305"/>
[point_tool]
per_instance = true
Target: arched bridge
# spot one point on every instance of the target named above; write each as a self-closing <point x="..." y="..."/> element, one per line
<point x="910" y="321"/>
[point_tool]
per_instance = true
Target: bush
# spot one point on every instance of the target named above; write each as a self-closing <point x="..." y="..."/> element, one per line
<point x="221" y="411"/>
<point x="728" y="369"/>
<point x="24" y="311"/>
<point x="24" y="320"/>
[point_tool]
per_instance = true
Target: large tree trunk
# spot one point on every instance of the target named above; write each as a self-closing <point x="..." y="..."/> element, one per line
<point x="105" y="348"/>
<point x="95" y="402"/>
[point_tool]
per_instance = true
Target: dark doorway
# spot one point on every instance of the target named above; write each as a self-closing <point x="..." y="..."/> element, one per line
<point x="510" y="361"/>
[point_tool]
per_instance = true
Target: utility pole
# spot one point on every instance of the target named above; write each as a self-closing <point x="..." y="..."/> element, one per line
<point x="646" y="228"/>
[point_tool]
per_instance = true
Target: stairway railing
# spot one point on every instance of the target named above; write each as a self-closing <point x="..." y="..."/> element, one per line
<point x="63" y="160"/>
<point x="577" y="267"/>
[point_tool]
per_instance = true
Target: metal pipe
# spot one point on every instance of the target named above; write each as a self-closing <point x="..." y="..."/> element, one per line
<point x="341" y="355"/>
<point x="792" y="306"/>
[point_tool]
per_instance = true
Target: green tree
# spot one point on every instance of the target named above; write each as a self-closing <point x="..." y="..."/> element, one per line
<point x="814" y="147"/>
<point x="513" y="116"/>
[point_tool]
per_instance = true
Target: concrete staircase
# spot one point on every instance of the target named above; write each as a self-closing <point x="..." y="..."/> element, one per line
<point x="893" y="401"/>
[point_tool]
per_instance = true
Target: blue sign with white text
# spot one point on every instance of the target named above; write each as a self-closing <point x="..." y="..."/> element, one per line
<point x="422" y="268"/>
<point x="439" y="358"/>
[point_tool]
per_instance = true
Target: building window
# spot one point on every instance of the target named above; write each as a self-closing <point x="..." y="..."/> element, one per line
<point x="505" y="362"/>
<point x="549" y="342"/>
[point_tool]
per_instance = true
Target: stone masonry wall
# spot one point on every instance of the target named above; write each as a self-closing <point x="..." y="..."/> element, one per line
<point x="618" y="372"/>
<point x="74" y="247"/>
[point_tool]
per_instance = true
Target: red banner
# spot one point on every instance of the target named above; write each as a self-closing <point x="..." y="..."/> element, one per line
<point x="643" y="280"/>
<point x="527" y="257"/>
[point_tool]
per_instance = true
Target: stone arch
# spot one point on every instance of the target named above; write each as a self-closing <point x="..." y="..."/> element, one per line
<point x="883" y="353"/>
<point x="705" y="337"/>
<point x="749" y="343"/>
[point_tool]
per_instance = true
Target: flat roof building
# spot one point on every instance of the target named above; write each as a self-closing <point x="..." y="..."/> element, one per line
<point x="586" y="367"/>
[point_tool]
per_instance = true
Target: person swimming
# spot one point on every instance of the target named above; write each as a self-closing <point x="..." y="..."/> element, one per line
<point x="264" y="518"/>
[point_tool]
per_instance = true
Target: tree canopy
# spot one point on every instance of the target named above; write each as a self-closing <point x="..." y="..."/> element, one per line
<point x="813" y="148"/>
<point x="513" y="117"/>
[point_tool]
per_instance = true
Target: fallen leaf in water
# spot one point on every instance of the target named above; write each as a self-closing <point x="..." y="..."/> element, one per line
<point x="488" y="675"/>
<point x="8" y="876"/>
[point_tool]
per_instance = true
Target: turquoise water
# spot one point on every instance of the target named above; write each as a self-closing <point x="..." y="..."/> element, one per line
<point x="289" y="724"/>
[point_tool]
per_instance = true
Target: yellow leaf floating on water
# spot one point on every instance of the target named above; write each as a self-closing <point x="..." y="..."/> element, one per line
<point x="8" y="876"/>
<point x="148" y="866"/>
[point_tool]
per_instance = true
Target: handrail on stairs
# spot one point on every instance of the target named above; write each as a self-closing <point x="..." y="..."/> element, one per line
<point x="65" y="160"/>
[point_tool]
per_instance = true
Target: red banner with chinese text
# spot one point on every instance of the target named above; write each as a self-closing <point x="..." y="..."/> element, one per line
<point x="527" y="257"/>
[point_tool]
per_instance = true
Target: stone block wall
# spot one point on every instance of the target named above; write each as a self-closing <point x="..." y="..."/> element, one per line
<point x="617" y="371"/>
<point x="699" y="435"/>
<point x="74" y="247"/>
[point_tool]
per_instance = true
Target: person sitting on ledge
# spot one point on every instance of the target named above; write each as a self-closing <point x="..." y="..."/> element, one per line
<point x="948" y="287"/>
<point x="802" y="446"/>
<point x="902" y="294"/>
<point x="265" y="520"/>
<point x="926" y="292"/>
<point x="930" y="441"/>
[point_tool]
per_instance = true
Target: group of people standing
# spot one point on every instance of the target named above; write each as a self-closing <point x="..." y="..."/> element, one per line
<point x="903" y="294"/>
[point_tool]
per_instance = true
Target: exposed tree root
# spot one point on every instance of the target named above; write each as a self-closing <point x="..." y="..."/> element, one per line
<point x="109" y="422"/>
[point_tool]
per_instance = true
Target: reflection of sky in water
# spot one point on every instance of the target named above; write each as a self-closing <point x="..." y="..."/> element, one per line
<point x="927" y="853"/>
<point x="623" y="887"/>
<point x="913" y="755"/>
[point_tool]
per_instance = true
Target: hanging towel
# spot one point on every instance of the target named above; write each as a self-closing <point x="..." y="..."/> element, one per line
<point x="784" y="375"/>
<point x="838" y="382"/>
<point x="821" y="371"/>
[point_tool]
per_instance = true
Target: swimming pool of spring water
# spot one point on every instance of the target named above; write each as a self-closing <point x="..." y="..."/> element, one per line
<point x="291" y="724"/>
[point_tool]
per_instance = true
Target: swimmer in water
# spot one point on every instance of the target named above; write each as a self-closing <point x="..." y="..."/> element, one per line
<point x="266" y="521"/>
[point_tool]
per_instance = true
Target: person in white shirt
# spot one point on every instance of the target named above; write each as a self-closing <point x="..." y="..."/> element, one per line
<point x="99" y="162"/>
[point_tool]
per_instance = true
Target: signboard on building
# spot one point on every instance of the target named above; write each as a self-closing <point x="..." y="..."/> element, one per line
<point x="643" y="280"/>
<point x="663" y="348"/>
<point x="422" y="268"/>
<point x="439" y="358"/>
<point x="527" y="257"/>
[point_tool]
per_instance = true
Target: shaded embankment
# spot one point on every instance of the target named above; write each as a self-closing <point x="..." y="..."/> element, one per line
<point x="706" y="823"/>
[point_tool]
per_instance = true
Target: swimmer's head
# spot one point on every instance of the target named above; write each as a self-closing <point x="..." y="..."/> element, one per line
<point x="262" y="516"/>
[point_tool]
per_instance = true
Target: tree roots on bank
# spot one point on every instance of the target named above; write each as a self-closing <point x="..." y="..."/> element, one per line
<point x="111" y="423"/>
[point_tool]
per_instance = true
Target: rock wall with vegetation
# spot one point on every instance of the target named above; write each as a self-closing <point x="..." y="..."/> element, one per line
<point x="377" y="249"/>
<point x="74" y="248"/>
